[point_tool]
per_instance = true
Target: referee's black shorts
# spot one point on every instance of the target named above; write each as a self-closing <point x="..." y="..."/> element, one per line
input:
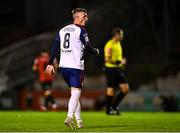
<point x="114" y="76"/>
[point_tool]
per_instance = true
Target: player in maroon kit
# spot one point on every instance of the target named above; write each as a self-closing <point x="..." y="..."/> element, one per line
<point x="39" y="66"/>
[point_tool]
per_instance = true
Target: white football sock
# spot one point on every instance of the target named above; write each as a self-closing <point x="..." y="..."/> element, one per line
<point x="73" y="101"/>
<point x="77" y="113"/>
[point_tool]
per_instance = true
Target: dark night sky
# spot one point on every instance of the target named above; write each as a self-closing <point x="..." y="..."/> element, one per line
<point x="13" y="12"/>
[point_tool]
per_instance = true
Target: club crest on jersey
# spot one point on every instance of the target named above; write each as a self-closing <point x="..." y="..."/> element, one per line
<point x="86" y="37"/>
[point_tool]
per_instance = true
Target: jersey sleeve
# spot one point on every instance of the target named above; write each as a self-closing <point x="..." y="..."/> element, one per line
<point x="108" y="49"/>
<point x="55" y="50"/>
<point x="85" y="40"/>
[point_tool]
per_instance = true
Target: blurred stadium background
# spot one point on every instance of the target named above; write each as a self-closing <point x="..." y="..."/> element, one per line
<point x="151" y="46"/>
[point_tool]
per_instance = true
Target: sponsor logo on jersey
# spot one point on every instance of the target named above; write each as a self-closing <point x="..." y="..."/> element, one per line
<point x="66" y="51"/>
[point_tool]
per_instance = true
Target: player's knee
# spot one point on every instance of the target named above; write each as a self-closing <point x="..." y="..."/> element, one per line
<point x="110" y="91"/>
<point x="47" y="92"/>
<point x="75" y="93"/>
<point x="124" y="88"/>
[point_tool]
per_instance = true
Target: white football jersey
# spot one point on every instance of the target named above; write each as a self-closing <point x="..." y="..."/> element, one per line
<point x="72" y="47"/>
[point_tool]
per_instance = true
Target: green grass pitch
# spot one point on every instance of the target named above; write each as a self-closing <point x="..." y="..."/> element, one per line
<point x="18" y="121"/>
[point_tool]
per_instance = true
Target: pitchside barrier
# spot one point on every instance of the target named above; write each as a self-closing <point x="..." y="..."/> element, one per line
<point x="95" y="100"/>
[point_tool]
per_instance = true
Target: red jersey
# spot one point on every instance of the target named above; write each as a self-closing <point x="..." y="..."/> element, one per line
<point x="40" y="64"/>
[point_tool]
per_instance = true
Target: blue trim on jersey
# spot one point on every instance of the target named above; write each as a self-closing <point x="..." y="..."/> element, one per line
<point x="57" y="37"/>
<point x="55" y="50"/>
<point x="83" y="34"/>
<point x="73" y="77"/>
<point x="85" y="40"/>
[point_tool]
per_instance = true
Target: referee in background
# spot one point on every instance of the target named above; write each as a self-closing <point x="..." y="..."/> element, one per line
<point x="114" y="65"/>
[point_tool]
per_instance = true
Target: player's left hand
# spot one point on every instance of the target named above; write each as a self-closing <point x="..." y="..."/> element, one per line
<point x="50" y="70"/>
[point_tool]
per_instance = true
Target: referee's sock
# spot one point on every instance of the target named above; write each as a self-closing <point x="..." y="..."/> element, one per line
<point x="118" y="99"/>
<point x="108" y="103"/>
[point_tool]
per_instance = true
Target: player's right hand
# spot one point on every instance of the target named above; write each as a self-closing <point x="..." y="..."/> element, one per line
<point x="50" y="70"/>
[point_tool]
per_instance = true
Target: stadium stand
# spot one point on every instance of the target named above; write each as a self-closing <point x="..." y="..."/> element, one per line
<point x="16" y="60"/>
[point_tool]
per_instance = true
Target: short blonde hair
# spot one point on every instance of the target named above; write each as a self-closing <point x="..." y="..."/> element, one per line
<point x="74" y="11"/>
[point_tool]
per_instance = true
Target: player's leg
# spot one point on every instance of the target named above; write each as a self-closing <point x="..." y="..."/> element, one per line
<point x="123" y="89"/>
<point x="109" y="99"/>
<point x="49" y="99"/>
<point x="73" y="101"/>
<point x="46" y="94"/>
<point x="109" y="72"/>
<point x="74" y="78"/>
<point x="77" y="115"/>
<point x="44" y="106"/>
<point x="72" y="105"/>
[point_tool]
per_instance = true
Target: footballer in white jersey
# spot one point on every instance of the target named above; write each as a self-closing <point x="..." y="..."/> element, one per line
<point x="72" y="47"/>
<point x="68" y="48"/>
